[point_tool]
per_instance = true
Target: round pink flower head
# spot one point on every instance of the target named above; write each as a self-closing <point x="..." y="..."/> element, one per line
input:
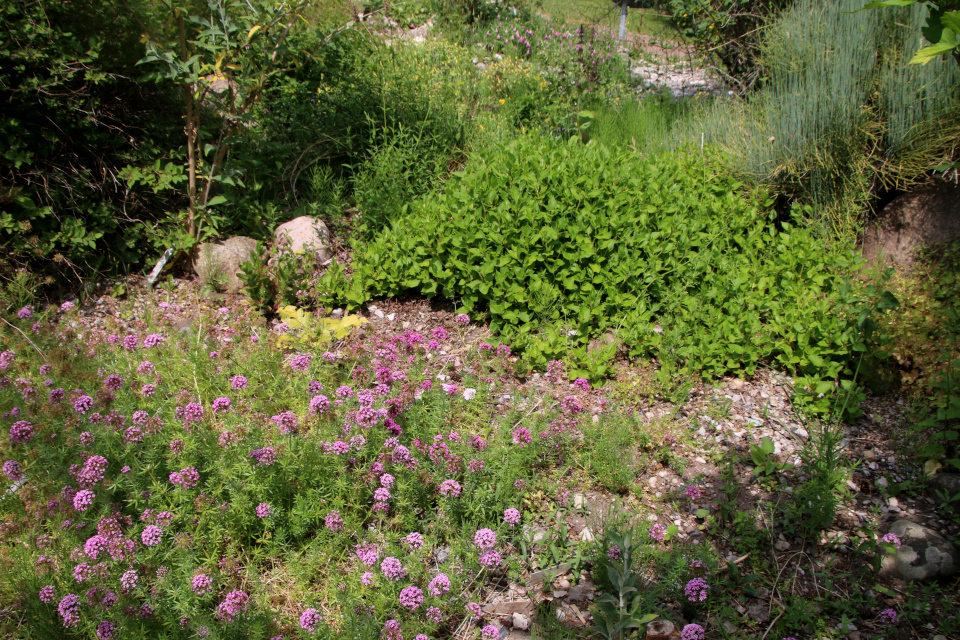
<point x="485" y="539"/>
<point x="463" y="319"/>
<point x="263" y="510"/>
<point x="411" y="597"/>
<point x="414" y="540"/>
<point x="489" y="632"/>
<point x="151" y="535"/>
<point x="693" y="632"/>
<point x="309" y="619"/>
<point x="439" y="585"/>
<point x="511" y="517"/>
<point x="888" y="616"/>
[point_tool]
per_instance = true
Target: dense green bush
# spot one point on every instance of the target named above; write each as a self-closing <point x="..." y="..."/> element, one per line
<point x="73" y="116"/>
<point x="557" y="242"/>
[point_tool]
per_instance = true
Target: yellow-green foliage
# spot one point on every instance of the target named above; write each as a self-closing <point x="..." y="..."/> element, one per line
<point x="309" y="331"/>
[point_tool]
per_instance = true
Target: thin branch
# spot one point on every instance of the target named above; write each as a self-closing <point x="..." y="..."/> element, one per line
<point x="26" y="338"/>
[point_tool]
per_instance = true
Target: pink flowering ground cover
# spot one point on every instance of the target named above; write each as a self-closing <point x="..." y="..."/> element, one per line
<point x="338" y="492"/>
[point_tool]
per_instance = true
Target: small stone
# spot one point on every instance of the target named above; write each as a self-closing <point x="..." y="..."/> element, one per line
<point x="564" y="583"/>
<point x="758" y="613"/>
<point x="575" y="595"/>
<point x="870" y="455"/>
<point x="521" y="621"/>
<point x="392" y="317"/>
<point x="559" y="593"/>
<point x="578" y="501"/>
<point x="782" y="545"/>
<point x="378" y="313"/>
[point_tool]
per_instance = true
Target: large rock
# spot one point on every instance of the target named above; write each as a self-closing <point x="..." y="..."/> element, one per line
<point x="218" y="263"/>
<point x="923" y="554"/>
<point x="928" y="214"/>
<point x="303" y="232"/>
<point x="948" y="483"/>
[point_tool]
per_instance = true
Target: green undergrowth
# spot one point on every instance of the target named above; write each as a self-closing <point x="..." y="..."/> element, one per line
<point x="557" y="242"/>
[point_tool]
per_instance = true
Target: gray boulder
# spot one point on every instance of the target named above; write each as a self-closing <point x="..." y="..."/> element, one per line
<point x="303" y="232"/>
<point x="924" y="554"/>
<point x="948" y="483"/>
<point x="218" y="263"/>
<point x="928" y="214"/>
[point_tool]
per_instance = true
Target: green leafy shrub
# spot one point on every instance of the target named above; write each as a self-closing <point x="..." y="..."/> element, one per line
<point x="556" y="242"/>
<point x="405" y="166"/>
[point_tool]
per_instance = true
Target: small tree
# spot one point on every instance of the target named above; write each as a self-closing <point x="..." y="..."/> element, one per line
<point x="223" y="59"/>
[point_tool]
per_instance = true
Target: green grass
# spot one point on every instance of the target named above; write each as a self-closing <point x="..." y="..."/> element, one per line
<point x="603" y="12"/>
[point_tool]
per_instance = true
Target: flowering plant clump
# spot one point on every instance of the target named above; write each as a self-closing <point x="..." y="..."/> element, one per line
<point x="309" y="619"/>
<point x="485" y="539"/>
<point x="697" y="590"/>
<point x="658" y="532"/>
<point x="888" y="616"/>
<point x="693" y="632"/>
<point x="511" y="517"/>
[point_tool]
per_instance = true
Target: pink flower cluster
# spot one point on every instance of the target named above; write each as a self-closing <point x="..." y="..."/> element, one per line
<point x="185" y="478"/>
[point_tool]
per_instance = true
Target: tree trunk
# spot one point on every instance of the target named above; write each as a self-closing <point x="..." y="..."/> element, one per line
<point x="191" y="131"/>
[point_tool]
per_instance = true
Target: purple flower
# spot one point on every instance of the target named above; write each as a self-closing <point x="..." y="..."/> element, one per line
<point x="571" y="405"/>
<point x="440" y="333"/>
<point x="186" y="478"/>
<point x="693" y="632"/>
<point x="130" y="342"/>
<point x="694" y="492"/>
<point x="148" y="390"/>
<point x="238" y="382"/>
<point x="333" y="521"/>
<point x="381" y="495"/>
<point x="309" y="619"/>
<point x="450" y="489"/>
<point x="414" y="540"/>
<point x="411" y="598"/>
<point x="11" y="469"/>
<point x="367" y="578"/>
<point x="145" y="368"/>
<point x="301" y="362"/>
<point x="475" y="609"/>
<point x="105" y="630"/>
<point x="439" y="585"/>
<point x="392" y="568"/>
<point x="221" y="405"/>
<point x="582" y="384"/>
<point x="658" y="532"/>
<point x="176" y="447"/>
<point x="193" y="412"/>
<point x="113" y="382"/>
<point x="201" y="584"/>
<point x="83" y="404"/>
<point x="21" y="432"/>
<point x="463" y="319"/>
<point x="614" y="552"/>
<point x="66" y="306"/>
<point x="83" y="499"/>
<point x="697" y="590"/>
<point x="511" y="517"/>
<point x="153" y="340"/>
<point x="151" y="535"/>
<point x="489" y="632"/>
<point x="25" y="312"/>
<point x="320" y="403"/>
<point x="263" y="510"/>
<point x="232" y="606"/>
<point x="47" y="594"/>
<point x="490" y="559"/>
<point x="128" y="581"/>
<point x="891" y="538"/>
<point x="522" y="436"/>
<point x="69" y="609"/>
<point x="434" y="614"/>
<point x="889" y="616"/>
<point x="485" y="539"/>
<point x="367" y="554"/>
<point x="94" y="546"/>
